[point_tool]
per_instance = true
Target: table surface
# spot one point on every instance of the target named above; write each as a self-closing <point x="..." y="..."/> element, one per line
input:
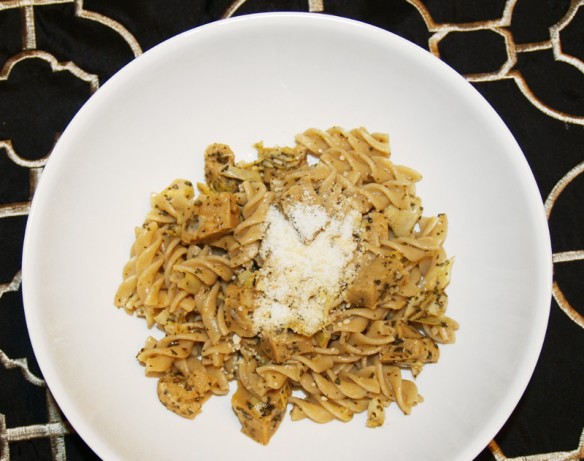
<point x="525" y="57"/>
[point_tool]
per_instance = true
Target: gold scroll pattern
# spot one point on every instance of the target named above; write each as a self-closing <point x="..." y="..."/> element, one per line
<point x="501" y="26"/>
<point x="56" y="428"/>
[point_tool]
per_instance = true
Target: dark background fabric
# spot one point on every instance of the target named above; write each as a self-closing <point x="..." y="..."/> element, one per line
<point x="547" y="119"/>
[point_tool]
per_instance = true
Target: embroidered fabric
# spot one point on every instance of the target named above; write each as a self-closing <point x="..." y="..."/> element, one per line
<point x="525" y="57"/>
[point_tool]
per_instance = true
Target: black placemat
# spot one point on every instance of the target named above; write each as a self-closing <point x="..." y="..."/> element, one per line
<point x="525" y="57"/>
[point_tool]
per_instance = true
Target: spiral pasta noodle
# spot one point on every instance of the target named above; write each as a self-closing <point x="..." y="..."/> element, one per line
<point x="312" y="285"/>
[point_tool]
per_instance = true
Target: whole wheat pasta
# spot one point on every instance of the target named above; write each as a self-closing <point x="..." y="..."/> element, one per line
<point x="312" y="285"/>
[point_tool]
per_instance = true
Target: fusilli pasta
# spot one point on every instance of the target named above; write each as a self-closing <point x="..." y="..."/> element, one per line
<point x="310" y="284"/>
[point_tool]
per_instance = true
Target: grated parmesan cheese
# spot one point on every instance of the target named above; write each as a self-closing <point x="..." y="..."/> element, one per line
<point x="307" y="220"/>
<point x="306" y="264"/>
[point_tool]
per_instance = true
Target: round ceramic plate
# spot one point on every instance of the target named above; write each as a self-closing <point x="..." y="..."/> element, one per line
<point x="267" y="77"/>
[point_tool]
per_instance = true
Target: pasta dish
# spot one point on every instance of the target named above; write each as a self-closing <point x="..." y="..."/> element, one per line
<point x="309" y="276"/>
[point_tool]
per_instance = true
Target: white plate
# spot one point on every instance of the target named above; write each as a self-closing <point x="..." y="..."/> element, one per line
<point x="267" y="77"/>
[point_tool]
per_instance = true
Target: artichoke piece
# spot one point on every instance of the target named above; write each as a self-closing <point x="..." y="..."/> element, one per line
<point x="410" y="352"/>
<point x="276" y="162"/>
<point x="185" y="395"/>
<point x="260" y="418"/>
<point x="218" y="158"/>
<point x="279" y="347"/>
<point x="243" y="172"/>
<point x="217" y="215"/>
<point x="374" y="278"/>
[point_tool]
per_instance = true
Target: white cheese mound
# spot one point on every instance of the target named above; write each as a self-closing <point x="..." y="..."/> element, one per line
<point x="301" y="278"/>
